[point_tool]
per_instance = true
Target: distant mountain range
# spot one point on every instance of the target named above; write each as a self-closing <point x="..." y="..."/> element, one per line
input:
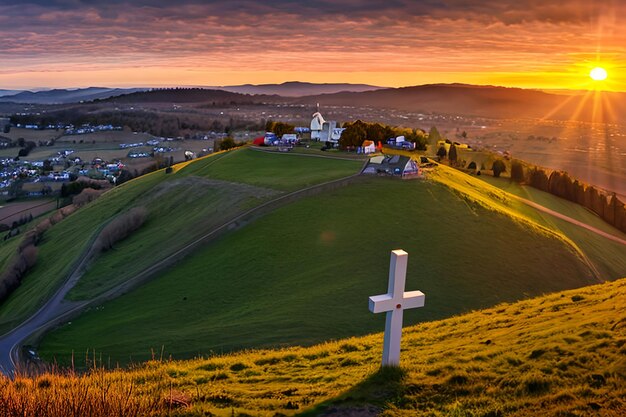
<point x="9" y="92"/>
<point x="64" y="96"/>
<point x="486" y="101"/>
<point x="457" y="99"/>
<point x="297" y="89"/>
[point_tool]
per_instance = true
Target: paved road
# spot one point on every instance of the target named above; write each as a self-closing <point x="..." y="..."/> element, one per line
<point x="55" y="308"/>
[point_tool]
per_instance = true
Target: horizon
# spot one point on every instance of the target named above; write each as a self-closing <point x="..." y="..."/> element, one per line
<point x="37" y="89"/>
<point x="128" y="43"/>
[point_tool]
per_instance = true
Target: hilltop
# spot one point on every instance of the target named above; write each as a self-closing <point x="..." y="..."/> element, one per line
<point x="274" y="280"/>
<point x="561" y="354"/>
<point x="253" y="249"/>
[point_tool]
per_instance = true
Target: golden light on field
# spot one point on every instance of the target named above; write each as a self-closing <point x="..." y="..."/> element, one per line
<point x="598" y="74"/>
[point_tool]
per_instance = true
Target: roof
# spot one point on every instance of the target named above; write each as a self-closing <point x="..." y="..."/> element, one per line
<point x="317" y="122"/>
<point x="368" y="143"/>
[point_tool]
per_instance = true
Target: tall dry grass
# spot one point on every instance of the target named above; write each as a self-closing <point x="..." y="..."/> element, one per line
<point x="96" y="394"/>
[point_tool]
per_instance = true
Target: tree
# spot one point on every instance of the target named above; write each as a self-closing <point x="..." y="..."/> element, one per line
<point x="433" y="138"/>
<point x="227" y="143"/>
<point x="498" y="167"/>
<point x="517" y="171"/>
<point x="538" y="179"/>
<point x="354" y="135"/>
<point x="47" y="166"/>
<point x="452" y="154"/>
<point x="441" y="153"/>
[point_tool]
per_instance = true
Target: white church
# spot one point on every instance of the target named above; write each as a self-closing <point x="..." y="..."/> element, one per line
<point x="325" y="131"/>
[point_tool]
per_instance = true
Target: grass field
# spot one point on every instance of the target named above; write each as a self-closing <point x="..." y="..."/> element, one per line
<point x="181" y="205"/>
<point x="285" y="172"/>
<point x="559" y="355"/>
<point x="303" y="274"/>
<point x="608" y="256"/>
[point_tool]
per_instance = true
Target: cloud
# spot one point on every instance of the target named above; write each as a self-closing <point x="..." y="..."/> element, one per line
<point x="289" y="35"/>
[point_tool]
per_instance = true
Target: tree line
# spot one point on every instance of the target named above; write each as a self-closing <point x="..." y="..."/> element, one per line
<point x="155" y="123"/>
<point x="559" y="183"/>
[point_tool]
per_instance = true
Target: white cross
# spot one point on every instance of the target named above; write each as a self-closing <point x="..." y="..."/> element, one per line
<point x="394" y="303"/>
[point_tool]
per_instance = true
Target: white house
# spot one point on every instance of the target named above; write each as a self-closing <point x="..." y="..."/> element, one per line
<point x="369" y="147"/>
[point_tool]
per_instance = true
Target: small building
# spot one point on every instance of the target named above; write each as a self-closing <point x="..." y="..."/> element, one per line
<point x="317" y="125"/>
<point x="393" y="165"/>
<point x="369" y="147"/>
<point x="325" y="130"/>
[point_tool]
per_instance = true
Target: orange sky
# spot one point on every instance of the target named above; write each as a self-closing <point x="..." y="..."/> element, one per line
<point x="522" y="43"/>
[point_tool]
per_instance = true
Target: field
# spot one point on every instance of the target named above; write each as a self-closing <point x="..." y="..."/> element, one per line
<point x="302" y="274"/>
<point x="175" y="219"/>
<point x="558" y="355"/>
<point x="105" y="145"/>
<point x="10" y="212"/>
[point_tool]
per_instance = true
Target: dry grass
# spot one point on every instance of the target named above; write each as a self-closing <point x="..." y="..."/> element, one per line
<point x="559" y="355"/>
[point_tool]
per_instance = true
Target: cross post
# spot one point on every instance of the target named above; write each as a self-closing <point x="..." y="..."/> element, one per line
<point x="394" y="303"/>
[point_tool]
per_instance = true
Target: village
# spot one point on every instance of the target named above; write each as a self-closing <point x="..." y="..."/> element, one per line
<point x="68" y="152"/>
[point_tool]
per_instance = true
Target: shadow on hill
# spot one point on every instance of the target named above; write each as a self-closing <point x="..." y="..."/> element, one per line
<point x="368" y="398"/>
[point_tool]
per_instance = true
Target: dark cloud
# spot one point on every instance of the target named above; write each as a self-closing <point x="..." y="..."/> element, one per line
<point x="506" y="11"/>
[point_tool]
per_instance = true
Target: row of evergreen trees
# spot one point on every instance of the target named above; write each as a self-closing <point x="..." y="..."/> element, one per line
<point x="559" y="183"/>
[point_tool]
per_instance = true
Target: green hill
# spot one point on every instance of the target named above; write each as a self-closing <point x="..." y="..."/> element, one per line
<point x="182" y="207"/>
<point x="559" y="355"/>
<point x="302" y="274"/>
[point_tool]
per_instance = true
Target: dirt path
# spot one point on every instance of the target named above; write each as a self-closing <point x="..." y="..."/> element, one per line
<point x="58" y="310"/>
<point x="569" y="219"/>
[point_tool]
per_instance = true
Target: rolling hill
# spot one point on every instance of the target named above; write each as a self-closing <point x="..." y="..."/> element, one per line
<point x="297" y="89"/>
<point x="291" y="264"/>
<point x="486" y="101"/>
<point x="64" y="96"/>
<point x="558" y="355"/>
<point x="333" y="246"/>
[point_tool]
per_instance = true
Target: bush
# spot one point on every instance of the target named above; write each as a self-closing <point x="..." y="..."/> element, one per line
<point x="12" y="276"/>
<point x="121" y="227"/>
<point x="228" y="143"/>
<point x="86" y="196"/>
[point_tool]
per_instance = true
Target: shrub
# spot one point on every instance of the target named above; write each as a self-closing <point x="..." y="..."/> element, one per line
<point x="12" y="276"/>
<point x="121" y="227"/>
<point x="86" y="196"/>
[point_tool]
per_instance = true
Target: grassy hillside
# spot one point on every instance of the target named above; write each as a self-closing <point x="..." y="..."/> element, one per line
<point x="181" y="206"/>
<point x="303" y="274"/>
<point x="559" y="355"/>
<point x="609" y="257"/>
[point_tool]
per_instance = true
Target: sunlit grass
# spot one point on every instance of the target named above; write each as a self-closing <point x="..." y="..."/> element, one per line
<point x="562" y="354"/>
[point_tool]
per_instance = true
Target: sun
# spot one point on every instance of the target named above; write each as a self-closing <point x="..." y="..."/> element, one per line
<point x="598" y="74"/>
